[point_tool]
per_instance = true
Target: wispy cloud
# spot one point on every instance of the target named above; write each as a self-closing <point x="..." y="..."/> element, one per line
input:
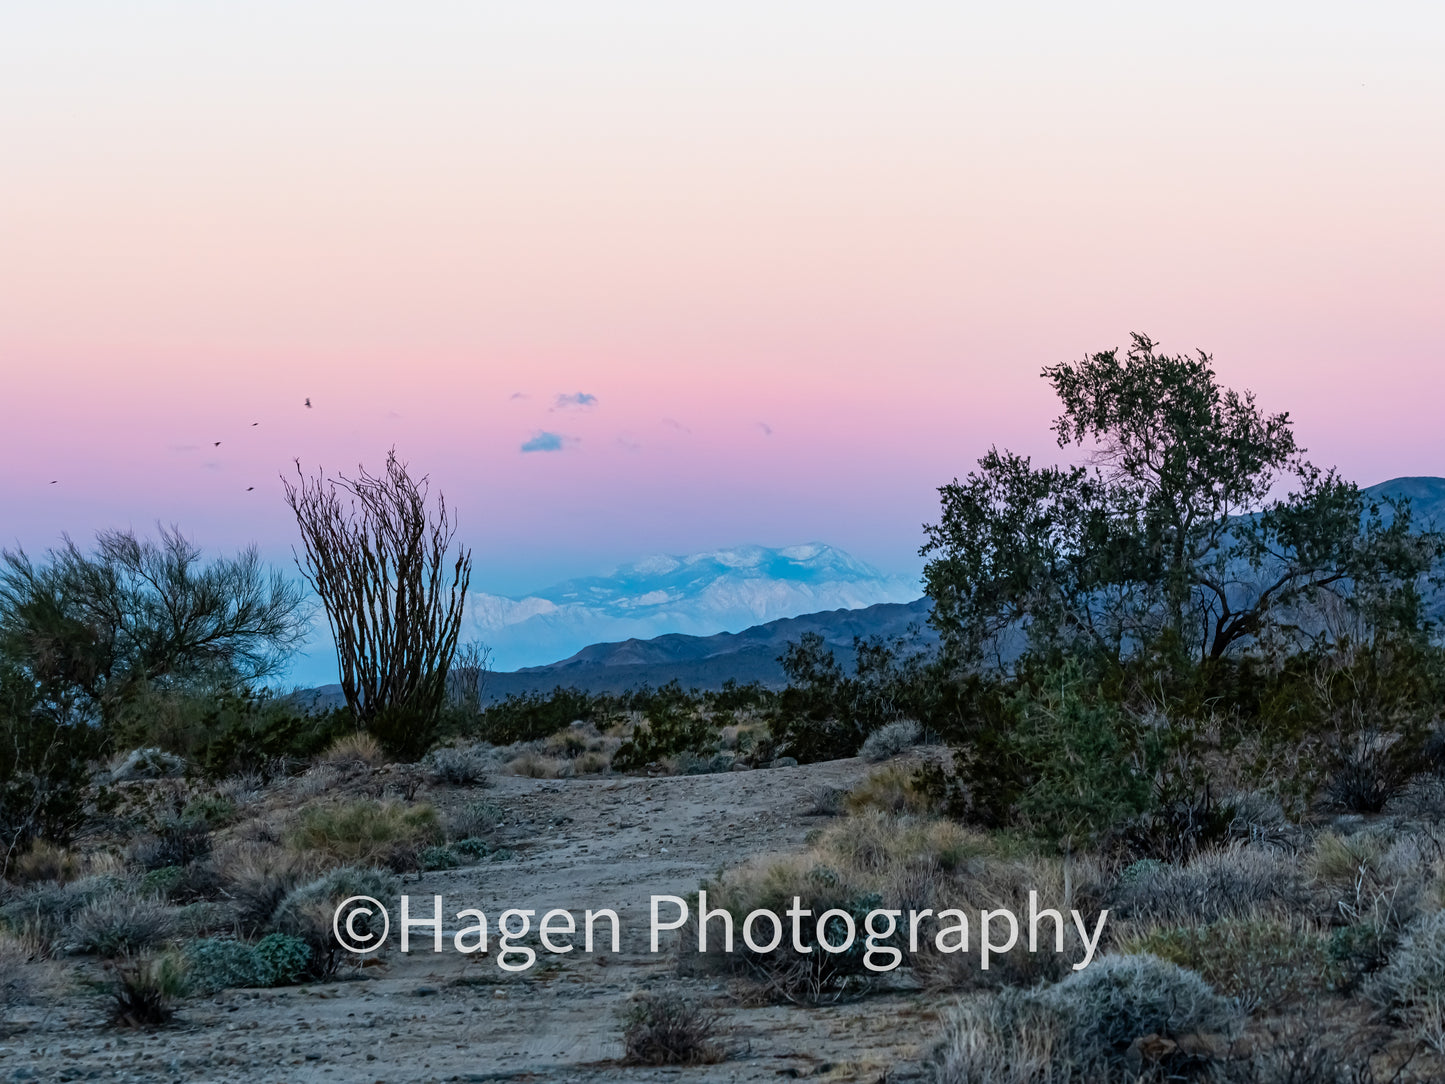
<point x="578" y="399"/>
<point x="545" y="442"/>
<point x="518" y="395"/>
<point x="673" y="423"/>
<point x="767" y="429"/>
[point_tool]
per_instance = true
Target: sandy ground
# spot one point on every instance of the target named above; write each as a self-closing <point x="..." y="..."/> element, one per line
<point x="579" y="843"/>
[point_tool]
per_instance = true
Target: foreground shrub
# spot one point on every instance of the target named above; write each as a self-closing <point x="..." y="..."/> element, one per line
<point x="667" y="1028"/>
<point x="120" y="924"/>
<point x="894" y="788"/>
<point x="1415" y="973"/>
<point x="278" y="959"/>
<point x="308" y="910"/>
<point x="1080" y="1030"/>
<point x="466" y="766"/>
<point x="366" y="832"/>
<point x="891" y="739"/>
<point x="1263" y="962"/>
<point x="353" y="751"/>
<point x="144" y="991"/>
<point x="1213" y="885"/>
<point x="257" y="878"/>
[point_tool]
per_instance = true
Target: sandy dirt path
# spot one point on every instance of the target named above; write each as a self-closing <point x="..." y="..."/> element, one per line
<point x="579" y="843"/>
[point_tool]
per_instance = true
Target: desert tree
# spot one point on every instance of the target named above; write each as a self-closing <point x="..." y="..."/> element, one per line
<point x="380" y="559"/>
<point x="86" y="639"/>
<point x="1172" y="531"/>
<point x="96" y="629"/>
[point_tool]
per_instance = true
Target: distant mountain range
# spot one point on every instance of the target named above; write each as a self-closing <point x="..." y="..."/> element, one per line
<point x="1427" y="497"/>
<point x="698" y="595"/>
<point x="698" y="662"/>
<point x="728" y="584"/>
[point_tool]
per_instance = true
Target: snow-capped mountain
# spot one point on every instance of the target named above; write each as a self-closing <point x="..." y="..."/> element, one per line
<point x="705" y="593"/>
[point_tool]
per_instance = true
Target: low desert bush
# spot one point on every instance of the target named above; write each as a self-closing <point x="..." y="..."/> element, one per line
<point x="1266" y="963"/>
<point x="891" y="739"/>
<point x="257" y="878"/>
<point x="144" y="991"/>
<point x="459" y="766"/>
<point x="176" y="842"/>
<point x="824" y="800"/>
<point x="1080" y="1030"/>
<point x="44" y="862"/>
<point x="39" y="915"/>
<point x="475" y="820"/>
<point x="278" y="959"/>
<point x="1238" y="881"/>
<point x="119" y="924"/>
<point x="807" y="977"/>
<point x="1415" y="973"/>
<point x="672" y="729"/>
<point x="1370" y="770"/>
<point x="438" y="857"/>
<point x="352" y="751"/>
<point x="894" y="788"/>
<point x="308" y="910"/>
<point x="366" y="832"/>
<point x="665" y="1027"/>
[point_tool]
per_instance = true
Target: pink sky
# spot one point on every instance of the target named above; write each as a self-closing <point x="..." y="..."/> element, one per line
<point x="809" y="258"/>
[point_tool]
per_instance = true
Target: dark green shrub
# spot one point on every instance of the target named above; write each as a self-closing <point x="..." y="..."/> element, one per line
<point x="430" y="858"/>
<point x="216" y="963"/>
<point x="671" y="730"/>
<point x="280" y="959"/>
<point x="533" y="716"/>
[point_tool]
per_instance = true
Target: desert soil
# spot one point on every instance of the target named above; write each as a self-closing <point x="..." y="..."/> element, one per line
<point x="578" y="843"/>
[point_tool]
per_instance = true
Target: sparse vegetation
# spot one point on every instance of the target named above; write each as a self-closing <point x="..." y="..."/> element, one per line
<point x="665" y="1027"/>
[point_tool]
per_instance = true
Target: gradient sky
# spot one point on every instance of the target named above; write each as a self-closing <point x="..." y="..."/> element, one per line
<point x="792" y="266"/>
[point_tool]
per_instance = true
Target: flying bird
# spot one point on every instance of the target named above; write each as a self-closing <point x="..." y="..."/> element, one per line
<point x="254" y="424"/>
<point x="308" y="402"/>
<point x="249" y="488"/>
<point x="216" y="445"/>
<point x="55" y="481"/>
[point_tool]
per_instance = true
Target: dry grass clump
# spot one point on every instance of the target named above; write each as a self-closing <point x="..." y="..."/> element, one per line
<point x="667" y="1028"/>
<point x="145" y="990"/>
<point x="459" y="766"/>
<point x="891" y="739"/>
<point x="39" y="916"/>
<point x="120" y="924"/>
<point x="1414" y="977"/>
<point x="1265" y="963"/>
<point x="534" y="765"/>
<point x="1088" y="1028"/>
<point x="893" y="788"/>
<point x="475" y="820"/>
<point x="351" y="751"/>
<point x="45" y="862"/>
<point x="257" y="877"/>
<point x="876" y="860"/>
<point x="1234" y="882"/>
<point x="366" y="832"/>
